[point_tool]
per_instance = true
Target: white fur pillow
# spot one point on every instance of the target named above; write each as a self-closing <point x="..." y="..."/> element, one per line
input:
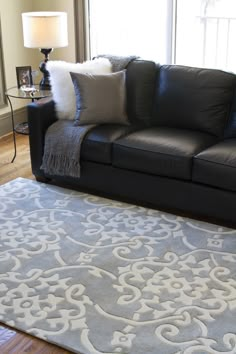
<point x="61" y="84"/>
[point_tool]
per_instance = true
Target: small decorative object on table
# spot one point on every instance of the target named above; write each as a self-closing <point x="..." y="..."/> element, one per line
<point x="29" y="90"/>
<point x="24" y="76"/>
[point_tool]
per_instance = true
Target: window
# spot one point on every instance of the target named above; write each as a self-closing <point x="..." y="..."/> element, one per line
<point x="196" y="33"/>
<point x="131" y="27"/>
<point x="205" y="33"/>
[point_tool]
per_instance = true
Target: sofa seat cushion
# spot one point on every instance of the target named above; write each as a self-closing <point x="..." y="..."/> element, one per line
<point x="160" y="151"/>
<point x="216" y="166"/>
<point x="97" y="145"/>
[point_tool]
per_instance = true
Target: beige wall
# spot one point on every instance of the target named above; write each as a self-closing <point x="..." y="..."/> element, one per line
<point x="14" y="53"/>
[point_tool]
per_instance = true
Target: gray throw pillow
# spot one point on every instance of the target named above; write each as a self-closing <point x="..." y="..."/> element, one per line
<point x="100" y="98"/>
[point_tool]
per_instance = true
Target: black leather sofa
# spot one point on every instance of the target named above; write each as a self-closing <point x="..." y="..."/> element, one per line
<point x="179" y="152"/>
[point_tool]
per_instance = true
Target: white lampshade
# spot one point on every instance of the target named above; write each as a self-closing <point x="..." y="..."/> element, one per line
<point x="45" y="29"/>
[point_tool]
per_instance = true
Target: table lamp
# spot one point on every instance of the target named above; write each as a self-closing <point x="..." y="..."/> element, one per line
<point x="45" y="30"/>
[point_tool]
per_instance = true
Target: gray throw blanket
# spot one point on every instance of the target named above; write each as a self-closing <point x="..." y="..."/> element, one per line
<point x="118" y="63"/>
<point x="63" y="140"/>
<point x="62" y="148"/>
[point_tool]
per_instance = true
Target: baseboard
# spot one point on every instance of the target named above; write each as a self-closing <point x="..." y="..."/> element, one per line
<point x="20" y="115"/>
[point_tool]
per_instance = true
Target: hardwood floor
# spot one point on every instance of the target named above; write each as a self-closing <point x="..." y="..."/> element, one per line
<point x="12" y="341"/>
<point x="21" y="166"/>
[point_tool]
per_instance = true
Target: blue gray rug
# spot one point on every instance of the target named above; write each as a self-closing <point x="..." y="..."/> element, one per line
<point x="99" y="276"/>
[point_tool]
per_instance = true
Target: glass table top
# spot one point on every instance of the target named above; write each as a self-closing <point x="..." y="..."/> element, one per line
<point x="28" y="92"/>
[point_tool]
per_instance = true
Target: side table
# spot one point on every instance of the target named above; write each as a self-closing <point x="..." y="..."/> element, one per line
<point x="32" y="93"/>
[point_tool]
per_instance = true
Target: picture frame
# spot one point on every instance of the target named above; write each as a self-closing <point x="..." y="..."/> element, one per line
<point x="24" y="76"/>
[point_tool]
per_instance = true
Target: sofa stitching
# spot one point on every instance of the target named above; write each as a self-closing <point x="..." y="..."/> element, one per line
<point x="154" y="152"/>
<point x="213" y="162"/>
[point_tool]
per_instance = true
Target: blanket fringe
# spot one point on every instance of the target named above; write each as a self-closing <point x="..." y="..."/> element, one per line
<point x="59" y="165"/>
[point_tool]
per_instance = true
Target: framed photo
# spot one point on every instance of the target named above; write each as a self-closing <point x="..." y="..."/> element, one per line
<point x="24" y="76"/>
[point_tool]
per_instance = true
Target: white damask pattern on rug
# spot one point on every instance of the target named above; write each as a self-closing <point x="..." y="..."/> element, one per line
<point x="99" y="276"/>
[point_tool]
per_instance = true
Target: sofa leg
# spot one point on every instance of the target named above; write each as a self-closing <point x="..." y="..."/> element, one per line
<point x="42" y="179"/>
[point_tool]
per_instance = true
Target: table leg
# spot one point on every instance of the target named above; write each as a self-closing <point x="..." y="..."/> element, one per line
<point x="13" y="129"/>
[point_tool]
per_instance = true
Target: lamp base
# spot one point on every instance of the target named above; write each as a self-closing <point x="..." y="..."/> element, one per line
<point x="45" y="82"/>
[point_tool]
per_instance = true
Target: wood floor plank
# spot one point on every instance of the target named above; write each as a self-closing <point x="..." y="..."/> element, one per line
<point x="21" y="166"/>
<point x="13" y="341"/>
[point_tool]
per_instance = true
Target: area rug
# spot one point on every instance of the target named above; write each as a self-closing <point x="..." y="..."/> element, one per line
<point x="99" y="276"/>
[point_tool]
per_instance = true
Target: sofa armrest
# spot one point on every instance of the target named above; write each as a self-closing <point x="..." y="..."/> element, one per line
<point x="41" y="114"/>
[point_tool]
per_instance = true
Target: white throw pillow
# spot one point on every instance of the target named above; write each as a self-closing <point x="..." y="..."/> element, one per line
<point x="61" y="84"/>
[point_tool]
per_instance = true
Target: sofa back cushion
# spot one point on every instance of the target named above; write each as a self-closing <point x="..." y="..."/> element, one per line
<point x="230" y="129"/>
<point x="193" y="98"/>
<point x="140" y="85"/>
